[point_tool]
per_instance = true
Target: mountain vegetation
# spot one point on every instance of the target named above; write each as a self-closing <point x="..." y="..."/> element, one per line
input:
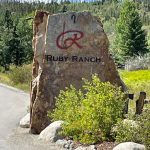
<point x="127" y="25"/>
<point x="133" y="18"/>
<point x="130" y="37"/>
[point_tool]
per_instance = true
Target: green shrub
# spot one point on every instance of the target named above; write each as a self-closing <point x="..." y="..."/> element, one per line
<point x="89" y="113"/>
<point x="144" y="132"/>
<point x="136" y="131"/>
<point x="126" y="131"/>
<point x="138" y="63"/>
<point x="1" y="69"/>
<point x="21" y="74"/>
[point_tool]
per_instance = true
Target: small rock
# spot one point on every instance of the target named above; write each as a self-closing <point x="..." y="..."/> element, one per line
<point x="71" y="146"/>
<point x="61" y="142"/>
<point x="25" y="121"/>
<point x="65" y="144"/>
<point x="129" y="146"/>
<point x="92" y="147"/>
<point x="50" y="133"/>
<point x="70" y="141"/>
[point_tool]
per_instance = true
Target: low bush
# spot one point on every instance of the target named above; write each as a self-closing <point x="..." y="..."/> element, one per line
<point x="1" y="69"/>
<point x="144" y="131"/>
<point x="138" y="63"/>
<point x="90" y="112"/>
<point x="135" y="131"/>
<point x="126" y="131"/>
<point x="19" y="75"/>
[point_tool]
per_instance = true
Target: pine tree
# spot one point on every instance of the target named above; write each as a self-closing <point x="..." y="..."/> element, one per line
<point x="24" y="31"/>
<point x="12" y="51"/>
<point x="5" y="53"/>
<point x="130" y="38"/>
<point x="8" y="19"/>
<point x="5" y="35"/>
<point x="17" y="51"/>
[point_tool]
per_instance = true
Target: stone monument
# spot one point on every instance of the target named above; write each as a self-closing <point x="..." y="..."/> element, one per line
<point x="67" y="47"/>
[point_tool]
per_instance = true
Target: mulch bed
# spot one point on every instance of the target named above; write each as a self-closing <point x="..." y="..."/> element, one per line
<point x="106" y="146"/>
<point x="102" y="146"/>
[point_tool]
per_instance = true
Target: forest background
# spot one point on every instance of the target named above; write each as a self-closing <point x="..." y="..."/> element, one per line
<point x="16" y="24"/>
<point x="16" y="53"/>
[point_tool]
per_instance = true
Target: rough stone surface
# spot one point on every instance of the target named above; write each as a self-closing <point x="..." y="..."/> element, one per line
<point x="50" y="133"/>
<point x="25" y="121"/>
<point x="61" y="142"/>
<point x="67" y="47"/>
<point x="68" y="144"/>
<point x="129" y="146"/>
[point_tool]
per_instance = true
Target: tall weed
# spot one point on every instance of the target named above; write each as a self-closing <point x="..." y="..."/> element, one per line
<point x="19" y="75"/>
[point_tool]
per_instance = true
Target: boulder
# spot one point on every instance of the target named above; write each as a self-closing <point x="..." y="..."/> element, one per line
<point x="25" y="121"/>
<point x="51" y="133"/>
<point x="67" y="47"/>
<point x="129" y="146"/>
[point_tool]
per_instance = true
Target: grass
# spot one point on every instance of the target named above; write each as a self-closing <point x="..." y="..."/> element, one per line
<point x="137" y="81"/>
<point x="19" y="77"/>
<point x="4" y="78"/>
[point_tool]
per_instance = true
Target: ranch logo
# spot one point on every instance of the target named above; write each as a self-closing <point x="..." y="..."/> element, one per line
<point x="72" y="38"/>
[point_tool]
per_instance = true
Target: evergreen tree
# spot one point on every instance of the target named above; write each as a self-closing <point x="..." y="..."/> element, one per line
<point x="130" y="38"/>
<point x="11" y="49"/>
<point x="5" y="36"/>
<point x="5" y="53"/>
<point x="8" y="19"/>
<point x="17" y="51"/>
<point x="24" y="31"/>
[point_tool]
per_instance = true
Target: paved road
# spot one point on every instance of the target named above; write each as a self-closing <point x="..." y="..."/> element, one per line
<point x="13" y="106"/>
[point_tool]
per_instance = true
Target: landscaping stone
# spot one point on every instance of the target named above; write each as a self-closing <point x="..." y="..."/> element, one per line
<point x="68" y="144"/>
<point x="50" y="133"/>
<point x="61" y="142"/>
<point x="67" y="48"/>
<point x="25" y="121"/>
<point x="129" y="146"/>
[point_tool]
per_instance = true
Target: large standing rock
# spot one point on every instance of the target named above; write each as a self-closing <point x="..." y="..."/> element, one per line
<point x="67" y="47"/>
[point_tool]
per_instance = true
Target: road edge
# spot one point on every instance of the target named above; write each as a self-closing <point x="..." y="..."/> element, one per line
<point x="13" y="88"/>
